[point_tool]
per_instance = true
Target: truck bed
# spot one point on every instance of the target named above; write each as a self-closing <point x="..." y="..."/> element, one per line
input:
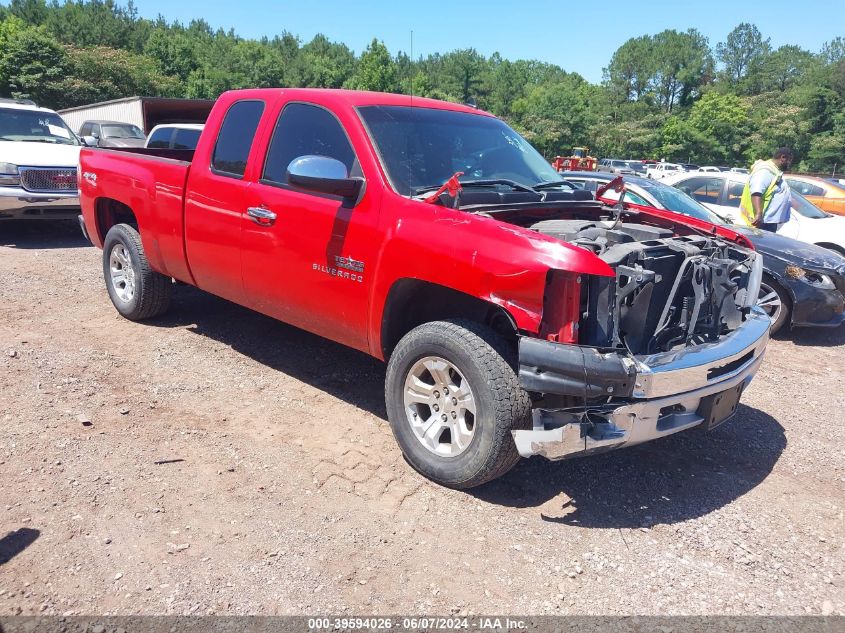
<point x="152" y="183"/>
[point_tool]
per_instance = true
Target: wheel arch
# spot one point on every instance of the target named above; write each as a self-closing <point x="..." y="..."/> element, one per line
<point x="412" y="302"/>
<point x="108" y="212"/>
<point x="832" y="247"/>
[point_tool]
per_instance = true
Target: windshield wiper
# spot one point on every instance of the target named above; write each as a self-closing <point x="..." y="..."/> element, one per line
<point x="467" y="184"/>
<point x="492" y="182"/>
<point x="551" y="184"/>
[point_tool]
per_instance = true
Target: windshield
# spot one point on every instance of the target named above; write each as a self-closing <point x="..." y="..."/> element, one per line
<point x="34" y="127"/>
<point x="679" y="202"/>
<point x="637" y="165"/>
<point x="122" y="131"/>
<point x="805" y="207"/>
<point x="423" y="147"/>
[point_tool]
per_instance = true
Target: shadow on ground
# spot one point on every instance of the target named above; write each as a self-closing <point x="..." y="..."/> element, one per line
<point x="33" y="234"/>
<point x="344" y="373"/>
<point x="819" y="337"/>
<point x="678" y="478"/>
<point x="681" y="477"/>
<point x="15" y="542"/>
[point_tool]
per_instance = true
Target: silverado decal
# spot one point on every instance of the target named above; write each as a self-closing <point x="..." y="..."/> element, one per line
<point x="342" y="274"/>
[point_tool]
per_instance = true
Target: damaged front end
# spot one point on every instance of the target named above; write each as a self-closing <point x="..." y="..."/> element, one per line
<point x="667" y="344"/>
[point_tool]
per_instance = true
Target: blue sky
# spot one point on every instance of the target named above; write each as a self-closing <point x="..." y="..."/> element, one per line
<point x="578" y="36"/>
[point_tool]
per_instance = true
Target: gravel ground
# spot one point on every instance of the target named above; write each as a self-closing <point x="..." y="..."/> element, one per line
<point x="216" y="461"/>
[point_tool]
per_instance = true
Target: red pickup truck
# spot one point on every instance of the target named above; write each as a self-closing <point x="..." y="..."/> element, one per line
<point x="518" y="315"/>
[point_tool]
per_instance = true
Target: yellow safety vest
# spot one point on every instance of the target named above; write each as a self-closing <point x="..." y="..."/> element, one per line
<point x="745" y="202"/>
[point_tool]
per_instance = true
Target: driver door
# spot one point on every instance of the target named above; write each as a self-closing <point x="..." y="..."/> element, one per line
<point x="308" y="258"/>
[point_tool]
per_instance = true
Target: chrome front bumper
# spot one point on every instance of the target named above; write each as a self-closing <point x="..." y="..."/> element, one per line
<point x="18" y="203"/>
<point x="668" y="393"/>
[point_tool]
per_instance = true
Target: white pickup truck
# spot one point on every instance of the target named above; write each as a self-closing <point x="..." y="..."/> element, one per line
<point x="661" y="170"/>
<point x="38" y="159"/>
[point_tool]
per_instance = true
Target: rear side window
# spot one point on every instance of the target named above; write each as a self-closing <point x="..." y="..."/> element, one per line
<point x="702" y="188"/>
<point x="805" y="188"/>
<point x="734" y="194"/>
<point x="302" y="130"/>
<point x="186" y="139"/>
<point x="160" y="139"/>
<point x="235" y="139"/>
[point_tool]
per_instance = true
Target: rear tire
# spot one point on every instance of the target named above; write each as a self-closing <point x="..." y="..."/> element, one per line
<point x="460" y="438"/>
<point x="135" y="289"/>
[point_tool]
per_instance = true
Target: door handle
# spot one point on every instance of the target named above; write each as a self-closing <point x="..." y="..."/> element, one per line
<point x="261" y="216"/>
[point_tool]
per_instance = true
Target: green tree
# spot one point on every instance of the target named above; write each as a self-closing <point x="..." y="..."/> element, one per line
<point x="462" y="74"/>
<point x="684" y="64"/>
<point x="555" y="117"/>
<point x="742" y="55"/>
<point x="376" y="70"/>
<point x="31" y="62"/>
<point x="632" y="68"/>
<point x="174" y="52"/>
<point x="785" y="67"/>
<point x="118" y="74"/>
<point x="833" y="51"/>
<point x="777" y="120"/>
<point x="722" y="120"/>
<point x="325" y="64"/>
<point x="507" y="84"/>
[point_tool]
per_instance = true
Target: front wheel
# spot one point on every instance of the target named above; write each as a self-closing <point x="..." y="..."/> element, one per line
<point x="136" y="290"/>
<point x="774" y="301"/>
<point x="452" y="401"/>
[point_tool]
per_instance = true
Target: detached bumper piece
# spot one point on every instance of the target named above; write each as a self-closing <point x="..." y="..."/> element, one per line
<point x="646" y="397"/>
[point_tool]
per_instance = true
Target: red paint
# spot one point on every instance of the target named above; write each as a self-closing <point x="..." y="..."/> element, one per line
<point x="561" y="311"/>
<point x="194" y="227"/>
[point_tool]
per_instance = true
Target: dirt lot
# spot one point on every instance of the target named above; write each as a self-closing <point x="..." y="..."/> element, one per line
<point x="216" y="461"/>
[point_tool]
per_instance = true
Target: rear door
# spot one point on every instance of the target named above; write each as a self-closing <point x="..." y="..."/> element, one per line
<point x="216" y="198"/>
<point x="309" y="264"/>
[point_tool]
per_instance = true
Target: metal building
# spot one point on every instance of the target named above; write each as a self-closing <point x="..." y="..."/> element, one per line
<point x="145" y="112"/>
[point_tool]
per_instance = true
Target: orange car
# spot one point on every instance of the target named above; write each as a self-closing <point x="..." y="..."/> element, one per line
<point x="825" y="194"/>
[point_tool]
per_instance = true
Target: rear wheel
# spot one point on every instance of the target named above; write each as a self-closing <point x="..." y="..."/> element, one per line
<point x="136" y="290"/>
<point x="452" y="400"/>
<point x="773" y="299"/>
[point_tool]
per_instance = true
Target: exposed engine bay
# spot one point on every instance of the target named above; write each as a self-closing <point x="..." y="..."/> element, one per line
<point x="669" y="291"/>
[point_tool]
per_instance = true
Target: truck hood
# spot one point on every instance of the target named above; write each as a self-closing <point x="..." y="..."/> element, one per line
<point x="792" y="251"/>
<point x="27" y="154"/>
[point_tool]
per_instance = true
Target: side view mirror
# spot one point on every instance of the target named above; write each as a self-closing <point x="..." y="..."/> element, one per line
<point x="90" y="141"/>
<point x="323" y="175"/>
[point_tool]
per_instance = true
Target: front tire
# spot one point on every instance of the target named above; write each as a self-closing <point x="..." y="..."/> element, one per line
<point x="135" y="289"/>
<point x="452" y="400"/>
<point x="774" y="300"/>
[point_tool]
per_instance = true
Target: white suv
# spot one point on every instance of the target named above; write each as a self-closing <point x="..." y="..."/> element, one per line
<point x="38" y="159"/>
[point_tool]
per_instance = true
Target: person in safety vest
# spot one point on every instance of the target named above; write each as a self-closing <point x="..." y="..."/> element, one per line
<point x="766" y="200"/>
